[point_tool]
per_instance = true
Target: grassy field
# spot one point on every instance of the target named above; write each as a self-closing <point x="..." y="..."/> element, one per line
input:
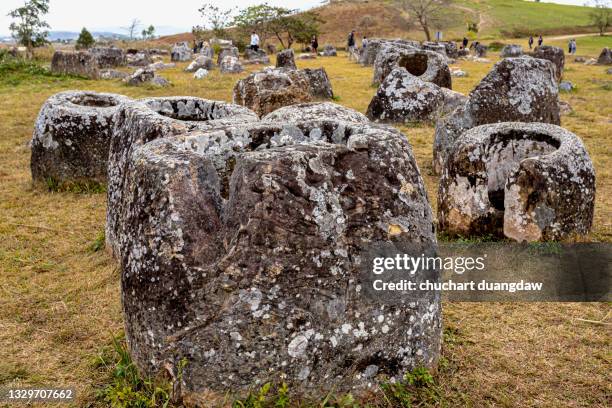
<point x="59" y="294"/>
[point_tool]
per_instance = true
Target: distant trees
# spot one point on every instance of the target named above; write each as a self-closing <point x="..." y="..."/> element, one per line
<point x="85" y="40"/>
<point x="216" y="19"/>
<point x="148" y="33"/>
<point x="601" y="15"/>
<point x="30" y="30"/>
<point x="132" y="29"/>
<point x="427" y="14"/>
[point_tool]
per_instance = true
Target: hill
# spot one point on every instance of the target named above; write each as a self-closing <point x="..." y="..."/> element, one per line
<point x="495" y="19"/>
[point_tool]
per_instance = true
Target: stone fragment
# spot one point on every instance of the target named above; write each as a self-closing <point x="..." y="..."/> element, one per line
<point x="426" y="65"/>
<point x="566" y="86"/>
<point x="139" y="59"/>
<point x="229" y="51"/>
<point x="523" y="181"/>
<point x="112" y="74"/>
<point x="511" y="51"/>
<point x="516" y="89"/>
<point x="329" y="51"/>
<point x="256" y="57"/>
<point x="200" y="74"/>
<point x="315" y="111"/>
<point x="554" y="55"/>
<point x="200" y="62"/>
<point x="319" y="83"/>
<point x="285" y="59"/>
<point x="109" y="57"/>
<point x="605" y="58"/>
<point x="145" y="76"/>
<point x="72" y="136"/>
<point x="230" y="65"/>
<point x="80" y="63"/>
<point x="159" y="65"/>
<point x="181" y="52"/>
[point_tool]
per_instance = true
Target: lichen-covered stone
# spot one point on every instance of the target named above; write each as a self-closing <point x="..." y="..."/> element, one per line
<point x="112" y="74"/>
<point x="81" y="63"/>
<point x="516" y="89"/>
<point x="554" y="55"/>
<point x="200" y="73"/>
<point x="319" y="84"/>
<point x="256" y="57"/>
<point x="315" y="111"/>
<point x="109" y="57"/>
<point x="228" y="51"/>
<point x="230" y="65"/>
<point x="268" y="90"/>
<point x="139" y="122"/>
<point x="200" y="62"/>
<point x="329" y="51"/>
<point x="402" y="97"/>
<point x="377" y="46"/>
<point x="144" y="76"/>
<point x="435" y="47"/>
<point x="139" y="59"/>
<point x="242" y="254"/>
<point x="181" y="52"/>
<point x="605" y="57"/>
<point x="72" y="136"/>
<point x="286" y="59"/>
<point x="511" y="51"/>
<point x="426" y="65"/>
<point x="523" y="181"/>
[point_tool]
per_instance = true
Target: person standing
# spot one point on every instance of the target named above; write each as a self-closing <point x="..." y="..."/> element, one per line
<point x="351" y="42"/>
<point x="364" y="42"/>
<point x="540" y="40"/>
<point x="574" y="46"/>
<point x="569" y="46"/>
<point x="254" y="41"/>
<point x="314" y="44"/>
<point x="464" y="42"/>
<point x="530" y="41"/>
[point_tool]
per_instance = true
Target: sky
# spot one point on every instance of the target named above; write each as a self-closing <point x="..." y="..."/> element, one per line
<point x="110" y="15"/>
<point x="168" y="16"/>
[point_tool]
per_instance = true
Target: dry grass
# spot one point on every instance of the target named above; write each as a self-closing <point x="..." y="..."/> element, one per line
<point x="59" y="300"/>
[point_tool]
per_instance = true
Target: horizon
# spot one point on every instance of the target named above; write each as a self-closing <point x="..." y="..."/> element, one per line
<point x="101" y="17"/>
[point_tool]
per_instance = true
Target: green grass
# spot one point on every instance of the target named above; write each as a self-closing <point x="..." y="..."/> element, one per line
<point x="14" y="71"/>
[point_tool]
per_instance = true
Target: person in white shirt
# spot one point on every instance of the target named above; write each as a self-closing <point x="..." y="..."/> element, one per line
<point x="254" y="41"/>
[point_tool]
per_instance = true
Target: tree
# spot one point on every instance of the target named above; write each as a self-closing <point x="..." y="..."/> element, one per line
<point x="85" y="40"/>
<point x="256" y="18"/>
<point x="216" y="19"/>
<point x="366" y="23"/>
<point x="427" y="13"/>
<point x="30" y="30"/>
<point x="289" y="26"/>
<point x="132" y="28"/>
<point x="148" y="33"/>
<point x="601" y="15"/>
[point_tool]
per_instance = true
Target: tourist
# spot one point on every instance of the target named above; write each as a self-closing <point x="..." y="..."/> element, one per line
<point x="351" y="42"/>
<point x="464" y="43"/>
<point x="364" y="42"/>
<point x="314" y="44"/>
<point x="540" y="40"/>
<point x="530" y="41"/>
<point x="254" y="41"/>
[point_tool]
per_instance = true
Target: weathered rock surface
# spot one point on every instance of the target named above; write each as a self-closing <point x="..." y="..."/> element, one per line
<point x="479" y="49"/>
<point x="200" y="62"/>
<point x="200" y="74"/>
<point x="181" y="52"/>
<point x="109" y="57"/>
<point x="435" y="47"/>
<point x="329" y="51"/>
<point x="511" y="51"/>
<point x="139" y="122"/>
<point x="230" y="65"/>
<point x="139" y="59"/>
<point x="256" y="57"/>
<point x="144" y="76"/>
<point x="426" y="65"/>
<point x="268" y="90"/>
<point x="451" y="49"/>
<point x="524" y="181"/>
<point x="229" y="51"/>
<point x="160" y="65"/>
<point x="241" y="256"/>
<point x="112" y="74"/>
<point x="315" y="111"/>
<point x="402" y="97"/>
<point x="377" y="46"/>
<point x="319" y="84"/>
<point x="605" y="58"/>
<point x="80" y="63"/>
<point x="72" y="136"/>
<point x="516" y="89"/>
<point x="554" y="55"/>
<point x="286" y="59"/>
<point x="566" y="86"/>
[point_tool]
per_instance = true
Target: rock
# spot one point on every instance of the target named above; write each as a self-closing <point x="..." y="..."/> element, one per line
<point x="605" y="58"/>
<point x="139" y="122"/>
<point x="315" y="111"/>
<point x="230" y="65"/>
<point x="146" y="76"/>
<point x="609" y="71"/>
<point x="230" y="51"/>
<point x="138" y="59"/>
<point x="579" y="59"/>
<point x="256" y="57"/>
<point x="565" y="108"/>
<point x="285" y="59"/>
<point x="319" y="84"/>
<point x="266" y="91"/>
<point x="241" y="257"/>
<point x="451" y="50"/>
<point x="566" y="86"/>
<point x="377" y="46"/>
<point x="200" y="74"/>
<point x="112" y="74"/>
<point x="80" y="63"/>
<point x="480" y="50"/>
<point x="329" y="51"/>
<point x="158" y="51"/>
<point x="109" y="57"/>
<point x="426" y="65"/>
<point x="72" y="136"/>
<point x="523" y="181"/>
<point x="459" y="73"/>
<point x="554" y="55"/>
<point x="181" y="52"/>
<point x="200" y="62"/>
<point x="590" y="61"/>
<point x="207" y="51"/>
<point x="159" y="81"/>
<point x="157" y="66"/>
<point x="403" y="98"/>
<point x="516" y="89"/>
<point x="463" y="52"/>
<point x="435" y="47"/>
<point x="306" y="56"/>
<point x="511" y="51"/>
<point x="221" y="42"/>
